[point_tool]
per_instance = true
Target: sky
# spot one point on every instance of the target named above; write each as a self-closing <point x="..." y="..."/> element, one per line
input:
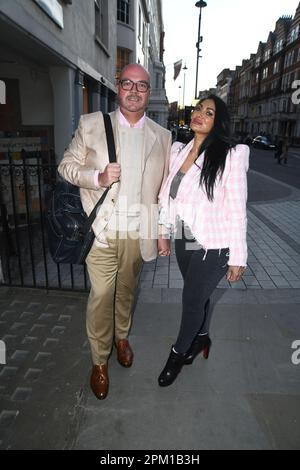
<point x="231" y="30"/>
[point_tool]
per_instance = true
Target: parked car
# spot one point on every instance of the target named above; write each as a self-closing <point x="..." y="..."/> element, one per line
<point x="262" y="142"/>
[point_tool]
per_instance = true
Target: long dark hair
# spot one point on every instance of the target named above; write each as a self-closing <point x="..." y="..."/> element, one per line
<point x="216" y="146"/>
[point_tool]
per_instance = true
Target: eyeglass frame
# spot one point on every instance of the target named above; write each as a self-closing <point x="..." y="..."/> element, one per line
<point x="144" y="82"/>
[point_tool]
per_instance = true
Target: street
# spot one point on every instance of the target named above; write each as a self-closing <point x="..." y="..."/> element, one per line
<point x="264" y="162"/>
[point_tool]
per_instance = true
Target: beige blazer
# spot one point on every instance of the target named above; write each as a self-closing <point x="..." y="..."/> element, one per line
<point x="88" y="152"/>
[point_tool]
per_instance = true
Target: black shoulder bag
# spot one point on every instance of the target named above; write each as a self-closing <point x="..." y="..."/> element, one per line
<point x="70" y="233"/>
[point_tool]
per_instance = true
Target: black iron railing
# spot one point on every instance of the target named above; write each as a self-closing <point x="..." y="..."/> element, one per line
<point x="25" y="188"/>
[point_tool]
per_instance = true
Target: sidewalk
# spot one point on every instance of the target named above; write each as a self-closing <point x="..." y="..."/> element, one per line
<point x="273" y="242"/>
<point x="245" y="396"/>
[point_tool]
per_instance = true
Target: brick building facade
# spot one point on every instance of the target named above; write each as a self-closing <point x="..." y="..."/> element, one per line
<point x="260" y="95"/>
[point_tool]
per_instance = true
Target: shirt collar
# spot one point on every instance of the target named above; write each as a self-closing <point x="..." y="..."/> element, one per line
<point x="123" y="121"/>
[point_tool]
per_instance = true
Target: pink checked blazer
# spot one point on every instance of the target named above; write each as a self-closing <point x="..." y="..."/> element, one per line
<point x="221" y="223"/>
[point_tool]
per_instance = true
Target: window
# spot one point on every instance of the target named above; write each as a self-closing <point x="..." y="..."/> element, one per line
<point x="278" y="46"/>
<point x="265" y="73"/>
<point x="257" y="78"/>
<point x="276" y="67"/>
<point x="140" y="23"/>
<point x="293" y="107"/>
<point x="293" y="34"/>
<point x="289" y="59"/>
<point x="124" y="11"/>
<point x="284" y="106"/>
<point x="257" y="61"/>
<point x="285" y="82"/>
<point x="98" y="18"/>
<point x="267" y="54"/>
<point x="144" y="37"/>
<point x="101" y="21"/>
<point x="123" y="58"/>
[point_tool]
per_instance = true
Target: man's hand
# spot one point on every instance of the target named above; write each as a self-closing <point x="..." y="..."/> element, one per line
<point x="110" y="175"/>
<point x="164" y="246"/>
<point x="234" y="273"/>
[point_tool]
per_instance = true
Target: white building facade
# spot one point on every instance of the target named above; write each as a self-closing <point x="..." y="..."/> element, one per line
<point x="57" y="61"/>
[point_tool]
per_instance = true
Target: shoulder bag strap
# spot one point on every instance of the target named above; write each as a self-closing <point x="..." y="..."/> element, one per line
<point x="110" y="139"/>
<point x="112" y="159"/>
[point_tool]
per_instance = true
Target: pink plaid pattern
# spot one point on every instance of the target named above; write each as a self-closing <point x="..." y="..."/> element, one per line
<point x="221" y="223"/>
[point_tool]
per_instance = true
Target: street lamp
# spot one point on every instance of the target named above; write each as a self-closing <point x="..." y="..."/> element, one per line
<point x="184" y="68"/>
<point x="178" y="117"/>
<point x="201" y="4"/>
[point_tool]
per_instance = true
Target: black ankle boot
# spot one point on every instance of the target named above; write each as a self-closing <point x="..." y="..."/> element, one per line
<point x="172" y="368"/>
<point x="200" y="343"/>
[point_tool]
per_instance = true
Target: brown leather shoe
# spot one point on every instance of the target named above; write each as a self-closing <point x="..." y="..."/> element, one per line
<point x="125" y="354"/>
<point x="99" y="381"/>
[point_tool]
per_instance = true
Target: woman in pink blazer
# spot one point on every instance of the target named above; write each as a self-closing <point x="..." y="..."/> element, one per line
<point x="203" y="201"/>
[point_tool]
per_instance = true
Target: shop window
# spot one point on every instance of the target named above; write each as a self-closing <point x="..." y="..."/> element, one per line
<point x="10" y="110"/>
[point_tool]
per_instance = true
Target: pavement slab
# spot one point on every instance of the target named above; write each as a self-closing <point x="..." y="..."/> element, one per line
<point x="227" y="402"/>
<point x="234" y="400"/>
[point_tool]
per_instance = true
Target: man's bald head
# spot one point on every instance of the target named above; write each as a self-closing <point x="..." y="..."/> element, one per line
<point x="135" y="69"/>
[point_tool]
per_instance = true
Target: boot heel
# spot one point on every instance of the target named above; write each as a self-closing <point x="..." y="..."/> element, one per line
<point x="206" y="352"/>
<point x="200" y="344"/>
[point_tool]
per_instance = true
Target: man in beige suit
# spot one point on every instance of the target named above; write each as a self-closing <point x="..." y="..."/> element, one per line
<point x="126" y="224"/>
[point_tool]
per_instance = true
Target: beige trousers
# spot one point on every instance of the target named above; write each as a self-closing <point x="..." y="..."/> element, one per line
<point x="113" y="273"/>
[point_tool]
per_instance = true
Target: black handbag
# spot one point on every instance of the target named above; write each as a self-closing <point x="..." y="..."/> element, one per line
<point x="70" y="233"/>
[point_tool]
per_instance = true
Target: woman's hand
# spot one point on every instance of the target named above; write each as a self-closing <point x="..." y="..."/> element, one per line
<point x="234" y="273"/>
<point x="164" y="246"/>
